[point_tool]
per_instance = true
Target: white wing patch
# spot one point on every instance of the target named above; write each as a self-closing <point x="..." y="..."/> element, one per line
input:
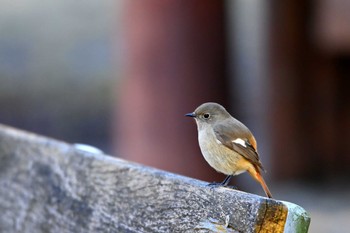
<point x="240" y="141"/>
<point x="218" y="141"/>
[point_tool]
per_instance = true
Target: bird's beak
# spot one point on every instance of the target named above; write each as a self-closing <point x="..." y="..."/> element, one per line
<point x="191" y="114"/>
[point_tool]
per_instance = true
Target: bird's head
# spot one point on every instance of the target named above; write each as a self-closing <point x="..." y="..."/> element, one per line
<point x="209" y="113"/>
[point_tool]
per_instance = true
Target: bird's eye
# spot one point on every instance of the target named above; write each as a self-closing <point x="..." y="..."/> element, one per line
<point x="206" y="115"/>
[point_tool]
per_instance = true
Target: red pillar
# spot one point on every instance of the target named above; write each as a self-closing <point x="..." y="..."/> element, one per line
<point x="174" y="60"/>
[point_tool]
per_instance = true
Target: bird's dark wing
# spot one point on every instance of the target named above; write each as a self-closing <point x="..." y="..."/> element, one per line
<point x="237" y="138"/>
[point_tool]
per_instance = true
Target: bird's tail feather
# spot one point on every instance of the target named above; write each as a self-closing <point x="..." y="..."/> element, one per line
<point x="255" y="173"/>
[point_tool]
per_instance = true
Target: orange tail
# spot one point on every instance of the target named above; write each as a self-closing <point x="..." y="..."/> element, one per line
<point x="255" y="173"/>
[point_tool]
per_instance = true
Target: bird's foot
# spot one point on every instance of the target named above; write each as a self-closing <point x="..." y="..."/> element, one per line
<point x="221" y="184"/>
<point x="215" y="184"/>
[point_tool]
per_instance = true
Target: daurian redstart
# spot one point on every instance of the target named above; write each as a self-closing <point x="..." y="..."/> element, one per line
<point x="227" y="144"/>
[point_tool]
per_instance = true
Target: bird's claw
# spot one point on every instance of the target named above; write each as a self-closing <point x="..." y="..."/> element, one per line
<point x="218" y="184"/>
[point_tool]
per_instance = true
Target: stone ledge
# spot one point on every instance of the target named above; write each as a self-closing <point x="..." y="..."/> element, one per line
<point x="51" y="186"/>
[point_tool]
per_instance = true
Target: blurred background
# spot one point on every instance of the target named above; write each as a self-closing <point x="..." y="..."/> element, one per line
<point x="120" y="75"/>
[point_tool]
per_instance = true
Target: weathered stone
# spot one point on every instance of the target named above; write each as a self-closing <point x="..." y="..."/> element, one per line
<point x="50" y="186"/>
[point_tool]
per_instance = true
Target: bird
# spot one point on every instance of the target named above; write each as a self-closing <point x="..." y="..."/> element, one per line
<point x="227" y="144"/>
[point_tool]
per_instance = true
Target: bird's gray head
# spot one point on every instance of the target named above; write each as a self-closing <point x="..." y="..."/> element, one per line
<point x="209" y="113"/>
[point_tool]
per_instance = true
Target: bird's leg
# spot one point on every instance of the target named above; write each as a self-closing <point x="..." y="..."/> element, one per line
<point x="226" y="180"/>
<point x="223" y="183"/>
